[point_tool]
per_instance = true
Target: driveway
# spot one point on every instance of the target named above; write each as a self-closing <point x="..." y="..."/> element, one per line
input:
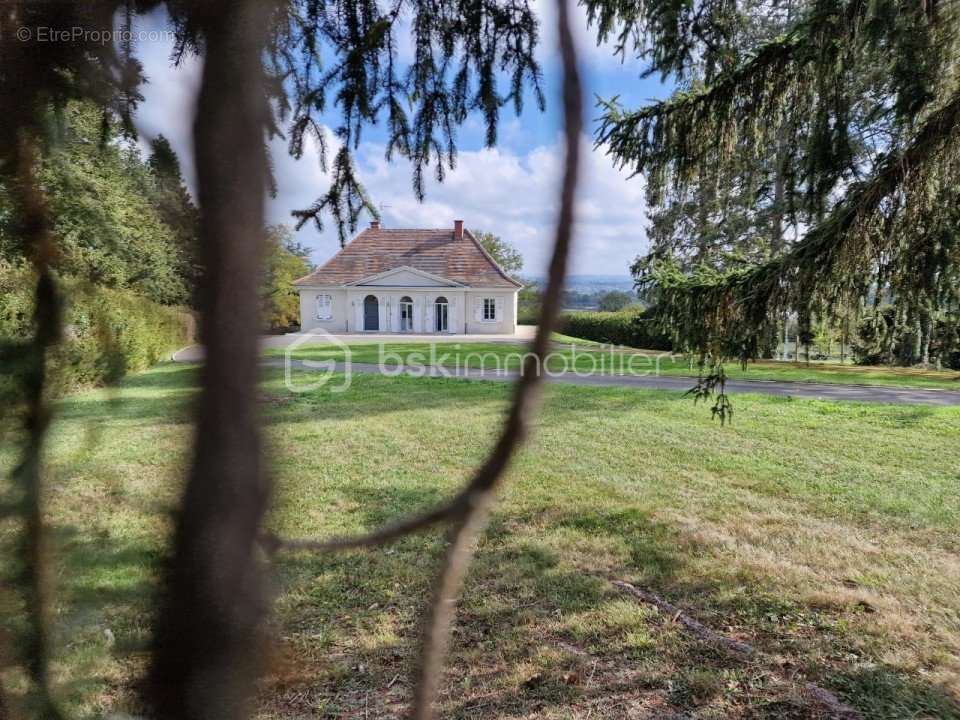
<point x="816" y="391"/>
<point x="813" y="391"/>
<point x="524" y="334"/>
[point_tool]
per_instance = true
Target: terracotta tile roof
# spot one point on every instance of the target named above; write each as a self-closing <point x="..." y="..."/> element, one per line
<point x="377" y="250"/>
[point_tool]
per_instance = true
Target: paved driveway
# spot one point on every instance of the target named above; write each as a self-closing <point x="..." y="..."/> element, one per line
<point x="819" y="391"/>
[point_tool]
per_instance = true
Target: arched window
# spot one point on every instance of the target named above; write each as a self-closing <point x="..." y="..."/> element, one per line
<point x="406" y="314"/>
<point x="441" y="316"/>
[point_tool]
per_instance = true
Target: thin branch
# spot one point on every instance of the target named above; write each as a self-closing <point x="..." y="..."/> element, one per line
<point x="468" y="510"/>
<point x="465" y="532"/>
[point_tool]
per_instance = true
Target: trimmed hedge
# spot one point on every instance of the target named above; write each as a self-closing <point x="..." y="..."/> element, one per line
<point x="107" y="332"/>
<point x="633" y="328"/>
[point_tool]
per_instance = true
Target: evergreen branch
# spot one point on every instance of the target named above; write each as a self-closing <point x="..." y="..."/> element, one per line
<point x="722" y="314"/>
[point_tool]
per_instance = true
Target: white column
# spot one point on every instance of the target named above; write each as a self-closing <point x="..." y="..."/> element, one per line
<point x="358" y="314"/>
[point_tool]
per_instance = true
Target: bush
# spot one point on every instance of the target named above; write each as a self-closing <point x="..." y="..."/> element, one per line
<point x="633" y="328"/>
<point x="107" y="333"/>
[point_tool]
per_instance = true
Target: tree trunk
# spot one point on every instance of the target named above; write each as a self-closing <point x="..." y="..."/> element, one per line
<point x="207" y="646"/>
<point x="917" y="354"/>
<point x="926" y="328"/>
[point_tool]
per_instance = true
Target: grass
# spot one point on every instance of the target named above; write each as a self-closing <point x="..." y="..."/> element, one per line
<point x="823" y="533"/>
<point x="593" y="357"/>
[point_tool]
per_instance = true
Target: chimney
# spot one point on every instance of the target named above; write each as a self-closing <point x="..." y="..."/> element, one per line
<point x="458" y="229"/>
<point x="374" y="224"/>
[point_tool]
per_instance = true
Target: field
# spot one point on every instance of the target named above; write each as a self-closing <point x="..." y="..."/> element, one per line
<point x="823" y="534"/>
<point x="586" y="356"/>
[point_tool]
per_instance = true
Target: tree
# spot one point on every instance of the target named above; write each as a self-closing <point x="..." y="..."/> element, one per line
<point x="529" y="303"/>
<point x="209" y="626"/>
<point x="286" y="260"/>
<point x="507" y="256"/>
<point x="615" y="300"/>
<point x="842" y="73"/>
<point x="170" y="195"/>
<point x="107" y="213"/>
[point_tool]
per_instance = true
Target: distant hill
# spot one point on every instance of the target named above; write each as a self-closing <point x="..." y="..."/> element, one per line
<point x="591" y="283"/>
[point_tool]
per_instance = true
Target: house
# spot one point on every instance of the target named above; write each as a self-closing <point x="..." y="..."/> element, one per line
<point x="410" y="281"/>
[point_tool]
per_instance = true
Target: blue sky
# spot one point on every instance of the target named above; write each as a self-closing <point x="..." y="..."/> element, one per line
<point x="509" y="190"/>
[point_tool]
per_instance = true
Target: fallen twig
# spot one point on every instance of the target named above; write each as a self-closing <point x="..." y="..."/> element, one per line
<point x="828" y="702"/>
<point x="694" y="627"/>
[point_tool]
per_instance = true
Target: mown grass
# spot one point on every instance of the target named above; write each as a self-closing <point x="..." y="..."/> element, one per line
<point x="823" y="533"/>
<point x="584" y="356"/>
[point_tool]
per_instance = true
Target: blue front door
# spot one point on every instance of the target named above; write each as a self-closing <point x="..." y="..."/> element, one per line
<point x="371" y="313"/>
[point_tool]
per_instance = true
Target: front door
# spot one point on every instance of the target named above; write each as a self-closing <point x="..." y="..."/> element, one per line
<point x="371" y="313"/>
<point x="441" y="317"/>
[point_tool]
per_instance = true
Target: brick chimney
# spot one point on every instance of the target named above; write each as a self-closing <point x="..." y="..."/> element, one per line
<point x="374" y="224"/>
<point x="458" y="229"/>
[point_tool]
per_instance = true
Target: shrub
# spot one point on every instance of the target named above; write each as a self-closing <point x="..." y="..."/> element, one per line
<point x="107" y="332"/>
<point x="631" y="327"/>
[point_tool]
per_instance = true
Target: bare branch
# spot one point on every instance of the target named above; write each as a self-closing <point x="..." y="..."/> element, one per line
<point x="465" y="532"/>
<point x="472" y="495"/>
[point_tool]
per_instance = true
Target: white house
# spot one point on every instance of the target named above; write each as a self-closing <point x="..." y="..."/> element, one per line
<point x="410" y="281"/>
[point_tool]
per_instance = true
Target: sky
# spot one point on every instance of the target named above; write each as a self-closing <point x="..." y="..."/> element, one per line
<point x="510" y="190"/>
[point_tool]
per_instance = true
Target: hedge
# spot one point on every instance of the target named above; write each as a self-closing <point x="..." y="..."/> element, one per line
<point x="633" y="328"/>
<point x="107" y="332"/>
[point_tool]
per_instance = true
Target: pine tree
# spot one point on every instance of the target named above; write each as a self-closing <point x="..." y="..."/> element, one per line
<point x="863" y="96"/>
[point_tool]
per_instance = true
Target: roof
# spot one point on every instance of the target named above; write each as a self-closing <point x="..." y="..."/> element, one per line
<point x="438" y="252"/>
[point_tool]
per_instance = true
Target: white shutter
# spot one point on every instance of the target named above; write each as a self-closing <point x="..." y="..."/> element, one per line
<point x="324" y="306"/>
<point x="496" y="309"/>
<point x="478" y="309"/>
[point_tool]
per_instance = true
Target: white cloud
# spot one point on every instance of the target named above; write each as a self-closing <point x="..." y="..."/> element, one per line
<point x="510" y="190"/>
<point x="514" y="195"/>
<point x="169" y="94"/>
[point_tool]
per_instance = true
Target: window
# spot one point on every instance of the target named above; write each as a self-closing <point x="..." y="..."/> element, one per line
<point x="324" y="307"/>
<point x="489" y="309"/>
<point x="441" y="315"/>
<point x="406" y="314"/>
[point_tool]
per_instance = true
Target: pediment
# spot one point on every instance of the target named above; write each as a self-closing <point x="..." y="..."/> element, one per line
<point x="405" y="276"/>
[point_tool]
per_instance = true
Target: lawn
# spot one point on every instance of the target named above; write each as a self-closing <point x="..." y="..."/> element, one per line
<point x="822" y="533"/>
<point x="595" y="358"/>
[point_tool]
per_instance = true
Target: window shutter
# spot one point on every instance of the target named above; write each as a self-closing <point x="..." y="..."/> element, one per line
<point x="496" y="308"/>
<point x="478" y="309"/>
<point x="324" y="306"/>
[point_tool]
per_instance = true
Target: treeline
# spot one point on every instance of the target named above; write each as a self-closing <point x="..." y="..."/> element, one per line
<point x="126" y="235"/>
